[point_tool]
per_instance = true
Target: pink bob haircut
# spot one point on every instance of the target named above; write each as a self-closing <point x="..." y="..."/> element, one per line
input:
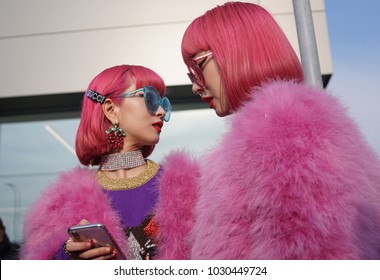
<point x="248" y="46"/>
<point x="90" y="141"/>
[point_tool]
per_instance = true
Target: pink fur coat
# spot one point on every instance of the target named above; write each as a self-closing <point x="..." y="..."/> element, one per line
<point x="293" y="179"/>
<point x="77" y="195"/>
<point x="74" y="196"/>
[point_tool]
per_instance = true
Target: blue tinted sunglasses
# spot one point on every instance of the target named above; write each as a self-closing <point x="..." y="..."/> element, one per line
<point x="153" y="100"/>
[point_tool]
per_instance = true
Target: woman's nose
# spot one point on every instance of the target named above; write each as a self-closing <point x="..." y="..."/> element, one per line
<point x="197" y="89"/>
<point x="161" y="112"/>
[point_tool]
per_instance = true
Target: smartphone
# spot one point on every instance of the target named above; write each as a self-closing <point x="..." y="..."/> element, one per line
<point x="99" y="233"/>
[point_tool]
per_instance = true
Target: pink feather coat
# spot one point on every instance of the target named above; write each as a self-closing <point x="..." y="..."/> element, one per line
<point x="74" y="196"/>
<point x="293" y="179"/>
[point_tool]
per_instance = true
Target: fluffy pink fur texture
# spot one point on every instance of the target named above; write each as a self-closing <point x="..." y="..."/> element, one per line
<point x="74" y="196"/>
<point x="174" y="213"/>
<point x="293" y="179"/>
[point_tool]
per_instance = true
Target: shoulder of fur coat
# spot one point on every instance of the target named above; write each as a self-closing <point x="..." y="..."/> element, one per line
<point x="75" y="195"/>
<point x="174" y="211"/>
<point x="293" y="179"/>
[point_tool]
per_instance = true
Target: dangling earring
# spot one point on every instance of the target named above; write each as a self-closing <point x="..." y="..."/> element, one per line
<point x="115" y="138"/>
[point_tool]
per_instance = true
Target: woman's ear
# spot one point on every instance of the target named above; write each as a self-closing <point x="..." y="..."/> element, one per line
<point x="110" y="110"/>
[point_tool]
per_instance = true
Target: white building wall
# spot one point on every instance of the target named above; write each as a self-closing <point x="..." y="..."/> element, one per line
<point x="51" y="46"/>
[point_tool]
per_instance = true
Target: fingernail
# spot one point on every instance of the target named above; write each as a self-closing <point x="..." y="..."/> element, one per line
<point x="110" y="250"/>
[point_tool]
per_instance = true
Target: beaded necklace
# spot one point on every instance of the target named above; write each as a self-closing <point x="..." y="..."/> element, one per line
<point x="124" y="160"/>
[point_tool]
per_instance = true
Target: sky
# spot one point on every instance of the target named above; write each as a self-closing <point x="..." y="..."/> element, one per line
<point x="26" y="169"/>
<point x="355" y="43"/>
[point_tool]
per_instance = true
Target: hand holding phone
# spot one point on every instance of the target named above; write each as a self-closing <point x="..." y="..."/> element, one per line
<point x="99" y="234"/>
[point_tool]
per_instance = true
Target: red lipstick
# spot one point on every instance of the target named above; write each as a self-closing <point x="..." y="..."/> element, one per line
<point x="211" y="104"/>
<point x="208" y="99"/>
<point x="158" y="125"/>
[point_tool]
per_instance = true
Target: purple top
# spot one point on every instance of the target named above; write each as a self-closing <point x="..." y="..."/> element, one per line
<point x="135" y="204"/>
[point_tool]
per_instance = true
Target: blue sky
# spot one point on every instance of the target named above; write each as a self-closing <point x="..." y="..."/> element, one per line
<point x="355" y="44"/>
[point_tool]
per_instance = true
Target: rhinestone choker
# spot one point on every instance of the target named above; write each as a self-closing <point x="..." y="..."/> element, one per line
<point x="124" y="160"/>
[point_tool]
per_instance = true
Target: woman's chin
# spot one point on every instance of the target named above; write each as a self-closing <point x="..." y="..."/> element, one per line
<point x="221" y="113"/>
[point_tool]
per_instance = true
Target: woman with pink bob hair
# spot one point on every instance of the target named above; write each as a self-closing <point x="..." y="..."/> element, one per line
<point x="90" y="143"/>
<point x="123" y="113"/>
<point x="293" y="178"/>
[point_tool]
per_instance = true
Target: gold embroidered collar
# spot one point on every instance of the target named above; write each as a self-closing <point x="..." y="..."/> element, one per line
<point x="128" y="183"/>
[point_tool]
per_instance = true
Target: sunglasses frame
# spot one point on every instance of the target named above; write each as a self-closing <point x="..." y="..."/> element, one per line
<point x="161" y="100"/>
<point x="195" y="70"/>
